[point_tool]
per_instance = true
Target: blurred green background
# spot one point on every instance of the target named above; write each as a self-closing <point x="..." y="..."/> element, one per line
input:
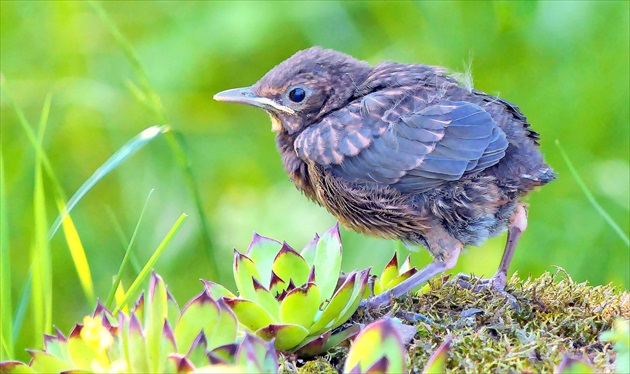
<point x="565" y="64"/>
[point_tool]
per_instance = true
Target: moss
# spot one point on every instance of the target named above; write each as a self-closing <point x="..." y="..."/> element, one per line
<point x="557" y="317"/>
<point x="317" y="366"/>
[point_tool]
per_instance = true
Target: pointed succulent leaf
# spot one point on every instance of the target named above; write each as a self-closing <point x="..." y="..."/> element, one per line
<point x="390" y="271"/>
<point x="277" y="285"/>
<point x="262" y="251"/>
<point x="81" y="354"/>
<point x="264" y="353"/>
<point x="378" y="340"/>
<point x="250" y="314"/>
<point x="356" y="297"/>
<point x="42" y="362"/>
<point x="308" y="253"/>
<point x="406" y="265"/>
<point x="216" y="290"/>
<point x="270" y="364"/>
<point x="313" y="345"/>
<point x="226" y="327"/>
<point x="224" y="354"/>
<point x="328" y="261"/>
<point x="335" y="307"/>
<point x="167" y="345"/>
<point x="300" y="305"/>
<point x="399" y="279"/>
<point x="56" y="345"/>
<point x="155" y="313"/>
<point x="15" y="367"/>
<point x="311" y="275"/>
<point x="171" y="363"/>
<point x="290" y="266"/>
<point x="138" y="358"/>
<point x="381" y="365"/>
<point x="138" y="308"/>
<point x="201" y="313"/>
<point x="99" y="308"/>
<point x="286" y="336"/>
<point x="244" y="270"/>
<point x="181" y="364"/>
<point x="341" y="336"/>
<point x="265" y="299"/>
<point x="173" y="312"/>
<point x="437" y="361"/>
<point x="197" y="353"/>
<point x="123" y="338"/>
<point x="250" y="354"/>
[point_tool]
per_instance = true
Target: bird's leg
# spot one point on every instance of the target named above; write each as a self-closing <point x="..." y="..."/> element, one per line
<point x="445" y="250"/>
<point x="517" y="225"/>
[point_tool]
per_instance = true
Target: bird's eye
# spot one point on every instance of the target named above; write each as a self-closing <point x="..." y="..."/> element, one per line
<point x="297" y="95"/>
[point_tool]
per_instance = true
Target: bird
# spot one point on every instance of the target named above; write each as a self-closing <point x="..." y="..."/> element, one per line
<point x="403" y="151"/>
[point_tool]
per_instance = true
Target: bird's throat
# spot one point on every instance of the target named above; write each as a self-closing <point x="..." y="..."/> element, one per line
<point x="276" y="125"/>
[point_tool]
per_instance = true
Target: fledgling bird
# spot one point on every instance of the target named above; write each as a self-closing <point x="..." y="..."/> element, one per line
<point x="402" y="151"/>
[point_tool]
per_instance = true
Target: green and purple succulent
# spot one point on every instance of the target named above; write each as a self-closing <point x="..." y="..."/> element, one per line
<point x="377" y="349"/>
<point x="154" y="337"/>
<point x="295" y="298"/>
<point x="392" y="275"/>
<point x="380" y="348"/>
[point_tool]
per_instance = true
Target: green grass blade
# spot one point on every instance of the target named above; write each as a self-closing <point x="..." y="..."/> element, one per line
<point x="137" y="283"/>
<point x="176" y="142"/>
<point x="33" y="140"/>
<point x="6" y="309"/>
<point x="125" y="260"/>
<point x="39" y="279"/>
<point x="119" y="156"/>
<point x="22" y="305"/>
<point x="591" y="198"/>
<point x="78" y="255"/>
<point x="40" y="254"/>
<point x="123" y="240"/>
<point x="146" y="94"/>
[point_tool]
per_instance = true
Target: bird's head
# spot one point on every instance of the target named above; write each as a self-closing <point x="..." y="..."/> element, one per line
<point x="303" y="88"/>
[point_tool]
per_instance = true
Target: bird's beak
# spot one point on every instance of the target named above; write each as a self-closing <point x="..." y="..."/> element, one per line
<point x="246" y="96"/>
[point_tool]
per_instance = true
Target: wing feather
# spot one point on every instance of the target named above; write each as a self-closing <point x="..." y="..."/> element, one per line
<point x="410" y="149"/>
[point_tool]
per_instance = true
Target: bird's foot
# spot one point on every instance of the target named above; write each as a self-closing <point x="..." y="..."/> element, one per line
<point x="496" y="283"/>
<point x="384" y="300"/>
<point x="377" y="301"/>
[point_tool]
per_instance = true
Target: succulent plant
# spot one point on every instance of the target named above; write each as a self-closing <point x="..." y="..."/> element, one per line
<point x="391" y="276"/>
<point x="620" y="336"/>
<point x="379" y="348"/>
<point x="295" y="298"/>
<point x="204" y="338"/>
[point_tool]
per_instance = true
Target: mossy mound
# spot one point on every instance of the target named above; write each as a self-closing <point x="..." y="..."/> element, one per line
<point x="558" y="317"/>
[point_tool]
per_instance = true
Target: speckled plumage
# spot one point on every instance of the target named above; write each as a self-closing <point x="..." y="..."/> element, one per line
<point x="400" y="150"/>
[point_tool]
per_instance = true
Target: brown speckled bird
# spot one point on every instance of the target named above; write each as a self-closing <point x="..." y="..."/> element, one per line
<point x="402" y="151"/>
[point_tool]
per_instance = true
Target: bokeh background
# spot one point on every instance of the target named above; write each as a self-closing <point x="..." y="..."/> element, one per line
<point x="565" y="64"/>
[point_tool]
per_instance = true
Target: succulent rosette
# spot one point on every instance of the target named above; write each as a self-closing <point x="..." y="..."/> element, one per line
<point x="296" y="298"/>
<point x="379" y="348"/>
<point x="204" y="338"/>
<point x="392" y="275"/>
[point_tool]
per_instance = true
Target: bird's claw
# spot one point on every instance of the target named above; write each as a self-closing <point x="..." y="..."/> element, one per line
<point x="377" y="301"/>
<point x="496" y="283"/>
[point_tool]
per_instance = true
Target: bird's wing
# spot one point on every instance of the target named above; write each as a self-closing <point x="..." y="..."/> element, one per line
<point x="382" y="142"/>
